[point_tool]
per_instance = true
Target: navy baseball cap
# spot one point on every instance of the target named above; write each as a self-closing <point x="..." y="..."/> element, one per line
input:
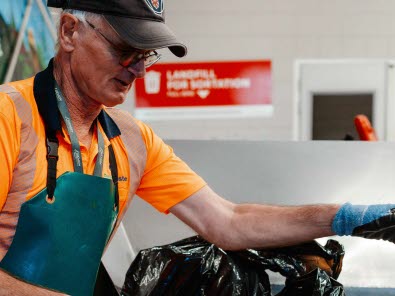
<point x="140" y="23"/>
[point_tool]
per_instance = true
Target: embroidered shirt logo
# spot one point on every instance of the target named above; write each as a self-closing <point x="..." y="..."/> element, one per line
<point x="155" y="5"/>
<point x="122" y="179"/>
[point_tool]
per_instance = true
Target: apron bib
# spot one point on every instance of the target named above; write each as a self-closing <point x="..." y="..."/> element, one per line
<point x="58" y="244"/>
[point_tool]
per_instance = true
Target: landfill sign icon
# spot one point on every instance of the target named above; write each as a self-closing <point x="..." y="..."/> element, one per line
<point x="152" y="82"/>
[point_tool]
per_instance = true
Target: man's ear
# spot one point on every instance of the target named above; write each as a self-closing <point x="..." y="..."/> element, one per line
<point x="68" y="31"/>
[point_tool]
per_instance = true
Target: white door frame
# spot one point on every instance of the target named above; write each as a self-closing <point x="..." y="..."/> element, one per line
<point x="343" y="76"/>
<point x="391" y="102"/>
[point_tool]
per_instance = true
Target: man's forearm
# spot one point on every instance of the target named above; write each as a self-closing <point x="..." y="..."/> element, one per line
<point x="239" y="226"/>
<point x="257" y="226"/>
<point x="11" y="286"/>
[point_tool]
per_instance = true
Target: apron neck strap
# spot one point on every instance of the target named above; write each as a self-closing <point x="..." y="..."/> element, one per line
<point x="52" y="158"/>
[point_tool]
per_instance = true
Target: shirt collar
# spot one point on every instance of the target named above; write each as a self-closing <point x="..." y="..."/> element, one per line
<point x="44" y="93"/>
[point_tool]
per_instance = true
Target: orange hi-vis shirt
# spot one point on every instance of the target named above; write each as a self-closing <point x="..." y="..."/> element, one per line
<point x="146" y="165"/>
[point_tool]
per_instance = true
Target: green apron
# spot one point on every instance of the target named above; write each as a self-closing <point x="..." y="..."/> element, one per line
<point x="63" y="230"/>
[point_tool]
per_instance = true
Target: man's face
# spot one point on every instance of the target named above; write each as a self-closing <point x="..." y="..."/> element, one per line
<point x="95" y="63"/>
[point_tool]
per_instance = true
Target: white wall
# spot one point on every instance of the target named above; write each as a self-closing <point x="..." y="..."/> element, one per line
<point x="282" y="31"/>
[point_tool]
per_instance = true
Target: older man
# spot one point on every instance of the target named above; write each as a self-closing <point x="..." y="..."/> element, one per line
<point x="71" y="162"/>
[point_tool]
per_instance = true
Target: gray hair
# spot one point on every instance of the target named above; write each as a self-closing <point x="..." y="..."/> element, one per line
<point x="82" y="16"/>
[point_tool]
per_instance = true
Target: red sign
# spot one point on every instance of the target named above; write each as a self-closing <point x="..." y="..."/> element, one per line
<point x="205" y="84"/>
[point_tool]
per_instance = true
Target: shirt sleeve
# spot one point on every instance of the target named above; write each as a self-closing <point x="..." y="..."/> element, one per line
<point x="167" y="180"/>
<point x="9" y="135"/>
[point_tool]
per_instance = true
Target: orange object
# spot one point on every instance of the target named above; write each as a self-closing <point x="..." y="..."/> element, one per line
<point x="364" y="128"/>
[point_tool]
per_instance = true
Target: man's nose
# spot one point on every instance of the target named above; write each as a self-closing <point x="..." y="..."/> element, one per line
<point x="137" y="69"/>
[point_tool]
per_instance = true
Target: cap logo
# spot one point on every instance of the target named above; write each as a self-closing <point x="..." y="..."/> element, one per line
<point x="155" y="5"/>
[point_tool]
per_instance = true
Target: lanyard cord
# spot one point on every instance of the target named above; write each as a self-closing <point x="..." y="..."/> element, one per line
<point x="52" y="158"/>
<point x="75" y="146"/>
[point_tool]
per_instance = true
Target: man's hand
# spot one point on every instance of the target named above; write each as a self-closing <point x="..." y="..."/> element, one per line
<point x="10" y="286"/>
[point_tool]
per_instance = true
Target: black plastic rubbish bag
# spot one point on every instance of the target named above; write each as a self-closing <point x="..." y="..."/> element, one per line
<point x="195" y="267"/>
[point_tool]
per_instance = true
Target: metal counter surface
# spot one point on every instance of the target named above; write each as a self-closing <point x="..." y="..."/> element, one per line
<point x="283" y="173"/>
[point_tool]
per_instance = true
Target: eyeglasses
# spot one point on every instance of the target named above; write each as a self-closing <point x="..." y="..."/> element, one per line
<point x="130" y="56"/>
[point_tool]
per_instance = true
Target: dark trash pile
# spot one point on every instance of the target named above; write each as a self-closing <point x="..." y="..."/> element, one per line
<point x="195" y="267"/>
